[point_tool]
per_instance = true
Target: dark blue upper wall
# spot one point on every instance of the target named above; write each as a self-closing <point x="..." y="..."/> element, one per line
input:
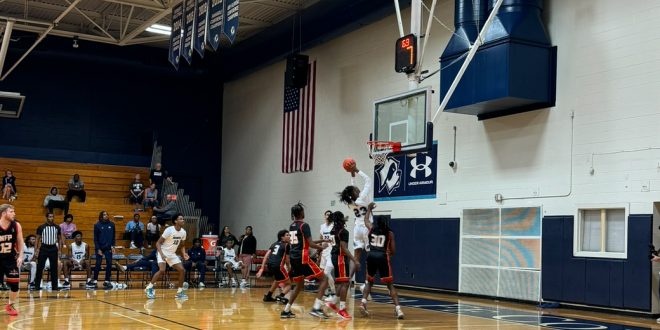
<point x="104" y="104"/>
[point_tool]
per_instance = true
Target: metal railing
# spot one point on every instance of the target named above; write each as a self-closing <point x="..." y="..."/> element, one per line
<point x="195" y="224"/>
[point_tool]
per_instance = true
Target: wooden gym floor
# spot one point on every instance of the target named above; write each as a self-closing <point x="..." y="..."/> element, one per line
<point x="214" y="308"/>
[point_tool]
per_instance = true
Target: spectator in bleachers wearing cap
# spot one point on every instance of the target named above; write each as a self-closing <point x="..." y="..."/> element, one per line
<point x="56" y="201"/>
<point x="76" y="188"/>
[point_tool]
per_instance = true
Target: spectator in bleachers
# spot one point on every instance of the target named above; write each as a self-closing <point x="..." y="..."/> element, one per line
<point x="153" y="231"/>
<point x="158" y="176"/>
<point x="247" y="248"/>
<point x="226" y="236"/>
<point x="150" y="196"/>
<point x="149" y="261"/>
<point x="136" y="190"/>
<point x="56" y="201"/>
<point x="68" y="227"/>
<point x="9" y="186"/>
<point x="104" y="242"/>
<point x="79" y="259"/>
<point x="29" y="261"/>
<point x="76" y="188"/>
<point x="197" y="259"/>
<point x="166" y="212"/>
<point x="135" y="231"/>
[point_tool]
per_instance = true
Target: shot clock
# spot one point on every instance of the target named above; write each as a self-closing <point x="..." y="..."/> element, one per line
<point x="405" y="59"/>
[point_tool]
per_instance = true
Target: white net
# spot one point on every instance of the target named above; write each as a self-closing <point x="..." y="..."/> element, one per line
<point x="379" y="151"/>
<point x="380" y="158"/>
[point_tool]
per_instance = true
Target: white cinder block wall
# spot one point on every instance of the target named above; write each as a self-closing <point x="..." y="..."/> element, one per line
<point x="608" y="76"/>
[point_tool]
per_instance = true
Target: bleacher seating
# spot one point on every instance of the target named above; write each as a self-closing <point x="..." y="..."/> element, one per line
<point x="106" y="186"/>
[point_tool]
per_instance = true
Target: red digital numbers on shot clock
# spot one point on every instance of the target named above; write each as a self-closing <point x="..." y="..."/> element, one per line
<point x="405" y="59"/>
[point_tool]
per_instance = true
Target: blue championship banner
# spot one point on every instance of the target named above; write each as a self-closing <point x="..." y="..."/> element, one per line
<point x="175" y="37"/>
<point x="215" y="23"/>
<point x="188" y="30"/>
<point x="231" y="19"/>
<point x="404" y="178"/>
<point x="201" y="17"/>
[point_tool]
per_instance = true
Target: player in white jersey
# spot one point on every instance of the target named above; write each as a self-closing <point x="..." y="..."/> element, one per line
<point x="173" y="239"/>
<point x="228" y="261"/>
<point x="326" y="261"/>
<point x="358" y="201"/>
<point x="29" y="263"/>
<point x="78" y="259"/>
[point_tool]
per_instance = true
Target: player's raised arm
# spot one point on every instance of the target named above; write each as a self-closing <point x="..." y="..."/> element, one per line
<point x="367" y="216"/>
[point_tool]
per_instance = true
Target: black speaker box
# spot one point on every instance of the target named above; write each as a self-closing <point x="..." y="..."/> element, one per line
<point x="296" y="70"/>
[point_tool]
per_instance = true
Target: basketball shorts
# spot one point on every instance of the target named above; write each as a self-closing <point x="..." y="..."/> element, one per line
<point x="9" y="267"/>
<point x="360" y="237"/>
<point x="80" y="265"/>
<point x="170" y="259"/>
<point x="379" y="263"/>
<point x="300" y="271"/>
<point x="279" y="272"/>
<point x="342" y="267"/>
<point x="235" y="265"/>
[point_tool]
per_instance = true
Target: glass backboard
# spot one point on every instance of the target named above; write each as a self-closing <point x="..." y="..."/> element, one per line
<point x="404" y="118"/>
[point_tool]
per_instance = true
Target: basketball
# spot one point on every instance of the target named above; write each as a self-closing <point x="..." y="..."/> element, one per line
<point x="349" y="164"/>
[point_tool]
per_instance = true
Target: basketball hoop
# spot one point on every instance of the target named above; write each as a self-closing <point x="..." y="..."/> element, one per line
<point x="378" y="150"/>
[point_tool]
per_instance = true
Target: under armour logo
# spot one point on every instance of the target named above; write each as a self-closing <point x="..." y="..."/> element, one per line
<point x="418" y="167"/>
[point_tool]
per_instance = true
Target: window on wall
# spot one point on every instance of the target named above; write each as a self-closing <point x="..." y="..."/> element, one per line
<point x="601" y="232"/>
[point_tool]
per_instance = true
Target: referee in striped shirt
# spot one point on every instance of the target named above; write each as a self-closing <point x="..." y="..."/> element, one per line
<point x="48" y="235"/>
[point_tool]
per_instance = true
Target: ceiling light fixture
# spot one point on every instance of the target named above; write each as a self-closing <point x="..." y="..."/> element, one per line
<point x="160" y="29"/>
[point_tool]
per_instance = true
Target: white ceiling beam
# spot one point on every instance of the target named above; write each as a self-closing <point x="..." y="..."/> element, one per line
<point x="130" y="14"/>
<point x="147" y="40"/>
<point x="154" y="19"/>
<point x="41" y="37"/>
<point x="92" y="21"/>
<point x="142" y="4"/>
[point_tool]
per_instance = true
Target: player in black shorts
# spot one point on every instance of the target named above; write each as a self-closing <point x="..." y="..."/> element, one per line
<point x="381" y="249"/>
<point x="302" y="266"/>
<point x="11" y="253"/>
<point x="341" y="261"/>
<point x="275" y="261"/>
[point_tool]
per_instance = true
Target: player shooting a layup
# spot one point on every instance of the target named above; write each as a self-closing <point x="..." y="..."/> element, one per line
<point x="172" y="240"/>
<point x="11" y="252"/>
<point x="357" y="201"/>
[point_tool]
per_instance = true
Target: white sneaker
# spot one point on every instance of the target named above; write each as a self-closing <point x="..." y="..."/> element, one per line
<point x="398" y="312"/>
<point x="201" y="285"/>
<point x="233" y="283"/>
<point x="331" y="299"/>
<point x="133" y="245"/>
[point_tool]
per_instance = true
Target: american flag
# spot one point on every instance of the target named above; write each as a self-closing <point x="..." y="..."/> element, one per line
<point x="298" y="125"/>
